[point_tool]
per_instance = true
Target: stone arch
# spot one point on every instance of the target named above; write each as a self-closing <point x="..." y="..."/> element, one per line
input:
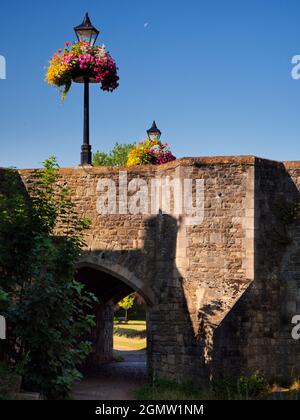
<point x="96" y="262"/>
<point x="110" y="280"/>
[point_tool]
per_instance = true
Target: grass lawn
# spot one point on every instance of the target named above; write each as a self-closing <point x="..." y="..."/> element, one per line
<point x="137" y="325"/>
<point x="130" y="336"/>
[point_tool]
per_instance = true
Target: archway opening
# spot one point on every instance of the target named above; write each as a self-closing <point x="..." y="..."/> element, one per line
<point x="115" y="339"/>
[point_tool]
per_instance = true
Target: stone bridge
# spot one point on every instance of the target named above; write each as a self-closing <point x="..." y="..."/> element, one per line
<point x="221" y="290"/>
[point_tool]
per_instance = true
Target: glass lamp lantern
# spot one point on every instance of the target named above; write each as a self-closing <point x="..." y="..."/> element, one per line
<point x="86" y="31"/>
<point x="154" y="133"/>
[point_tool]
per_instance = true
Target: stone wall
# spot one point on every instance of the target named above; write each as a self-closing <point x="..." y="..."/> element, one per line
<point x="221" y="293"/>
<point x="212" y="266"/>
<point x="256" y="334"/>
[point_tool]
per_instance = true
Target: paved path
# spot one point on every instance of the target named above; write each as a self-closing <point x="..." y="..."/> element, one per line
<point x="116" y="380"/>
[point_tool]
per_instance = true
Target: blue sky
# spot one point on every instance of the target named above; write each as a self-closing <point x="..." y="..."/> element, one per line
<point x="215" y="74"/>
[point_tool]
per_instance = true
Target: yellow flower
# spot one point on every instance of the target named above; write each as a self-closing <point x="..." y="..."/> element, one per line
<point x="56" y="74"/>
<point x="133" y="157"/>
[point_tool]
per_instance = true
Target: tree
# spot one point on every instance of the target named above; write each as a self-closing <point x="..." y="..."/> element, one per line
<point x="116" y="157"/>
<point x="41" y="237"/>
<point x="127" y="303"/>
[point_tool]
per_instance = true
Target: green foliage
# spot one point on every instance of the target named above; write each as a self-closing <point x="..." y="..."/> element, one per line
<point x="116" y="157"/>
<point x="137" y="312"/>
<point x="127" y="302"/>
<point x="41" y="238"/>
<point x="166" y="390"/>
<point x="244" y="388"/>
<point x="7" y="381"/>
<point x="3" y="296"/>
<point x="254" y="385"/>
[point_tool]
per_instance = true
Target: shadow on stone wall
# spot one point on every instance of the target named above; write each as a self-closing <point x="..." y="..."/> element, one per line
<point x="172" y="347"/>
<point x="151" y="270"/>
<point x="256" y="333"/>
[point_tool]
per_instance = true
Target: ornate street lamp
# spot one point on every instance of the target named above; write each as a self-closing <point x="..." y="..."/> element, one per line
<point x="85" y="63"/>
<point x="154" y="132"/>
<point x="86" y="32"/>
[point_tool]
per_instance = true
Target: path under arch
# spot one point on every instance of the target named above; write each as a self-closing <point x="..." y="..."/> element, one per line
<point x="114" y="380"/>
<point x="105" y="379"/>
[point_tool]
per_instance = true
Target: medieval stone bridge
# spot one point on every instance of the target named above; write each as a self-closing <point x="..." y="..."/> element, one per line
<point x="221" y="291"/>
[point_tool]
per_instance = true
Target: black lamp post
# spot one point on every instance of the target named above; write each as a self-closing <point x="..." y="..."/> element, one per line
<point x="86" y="32"/>
<point x="154" y="132"/>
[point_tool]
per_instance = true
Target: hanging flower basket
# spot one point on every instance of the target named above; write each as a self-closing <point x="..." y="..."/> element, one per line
<point x="80" y="61"/>
<point x="150" y="152"/>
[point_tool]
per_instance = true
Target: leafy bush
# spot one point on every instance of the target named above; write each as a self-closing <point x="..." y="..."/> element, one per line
<point x="44" y="306"/>
<point x="245" y="387"/>
<point x="118" y="156"/>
